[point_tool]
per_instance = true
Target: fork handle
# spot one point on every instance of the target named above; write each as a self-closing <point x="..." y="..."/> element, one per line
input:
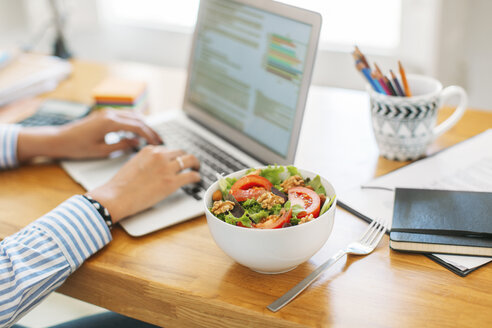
<point x="297" y="289"/>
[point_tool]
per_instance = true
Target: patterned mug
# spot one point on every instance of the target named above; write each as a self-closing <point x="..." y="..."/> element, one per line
<point x="405" y="126"/>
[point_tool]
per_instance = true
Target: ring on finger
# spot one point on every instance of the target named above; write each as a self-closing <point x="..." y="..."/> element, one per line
<point x="180" y="162"/>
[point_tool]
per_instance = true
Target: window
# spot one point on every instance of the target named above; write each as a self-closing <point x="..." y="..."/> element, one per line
<point x="385" y="30"/>
<point x="375" y="24"/>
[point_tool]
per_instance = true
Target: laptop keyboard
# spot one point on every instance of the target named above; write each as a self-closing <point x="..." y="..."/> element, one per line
<point x="46" y="119"/>
<point x="212" y="159"/>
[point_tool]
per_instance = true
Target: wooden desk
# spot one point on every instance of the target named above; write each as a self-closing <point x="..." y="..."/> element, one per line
<point x="178" y="277"/>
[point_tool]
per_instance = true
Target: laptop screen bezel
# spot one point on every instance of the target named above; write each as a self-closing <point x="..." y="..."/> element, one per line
<point x="247" y="144"/>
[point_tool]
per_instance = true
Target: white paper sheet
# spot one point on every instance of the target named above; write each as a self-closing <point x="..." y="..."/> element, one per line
<point x="466" y="166"/>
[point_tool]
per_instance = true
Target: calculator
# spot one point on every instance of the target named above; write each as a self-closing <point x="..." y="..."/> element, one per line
<point x="57" y="112"/>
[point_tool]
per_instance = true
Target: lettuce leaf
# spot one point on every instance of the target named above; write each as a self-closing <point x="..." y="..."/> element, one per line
<point x="293" y="170"/>
<point x="294" y="221"/>
<point x="258" y="216"/>
<point x="272" y="173"/>
<point x="296" y="209"/>
<point x="276" y="209"/>
<point x="225" y="185"/>
<point x="317" y="186"/>
<point x="327" y="205"/>
<point x="252" y="206"/>
<point x="229" y="218"/>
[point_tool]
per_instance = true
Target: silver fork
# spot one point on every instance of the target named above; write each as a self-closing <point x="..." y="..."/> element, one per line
<point x="365" y="245"/>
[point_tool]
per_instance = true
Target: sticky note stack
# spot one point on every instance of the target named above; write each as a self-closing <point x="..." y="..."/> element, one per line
<point x="121" y="94"/>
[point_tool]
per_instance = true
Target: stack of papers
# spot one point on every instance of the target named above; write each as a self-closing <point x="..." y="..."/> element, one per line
<point x="27" y="75"/>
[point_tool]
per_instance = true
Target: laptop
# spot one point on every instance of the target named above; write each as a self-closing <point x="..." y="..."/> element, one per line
<point x="248" y="78"/>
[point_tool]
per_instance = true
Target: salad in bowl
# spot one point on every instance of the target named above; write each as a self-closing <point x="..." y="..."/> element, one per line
<point x="268" y="198"/>
<point x="270" y="219"/>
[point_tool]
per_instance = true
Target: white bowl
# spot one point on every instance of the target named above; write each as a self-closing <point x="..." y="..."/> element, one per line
<point x="271" y="250"/>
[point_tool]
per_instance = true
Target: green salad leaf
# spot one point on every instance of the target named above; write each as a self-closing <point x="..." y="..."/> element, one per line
<point x="221" y="216"/>
<point x="276" y="209"/>
<point x="231" y="219"/>
<point x="293" y="170"/>
<point x="258" y="216"/>
<point x="252" y="206"/>
<point x="296" y="209"/>
<point x="248" y="171"/>
<point x="294" y="221"/>
<point x="225" y="185"/>
<point x="254" y="210"/>
<point x="327" y="205"/>
<point x="272" y="173"/>
<point x="317" y="186"/>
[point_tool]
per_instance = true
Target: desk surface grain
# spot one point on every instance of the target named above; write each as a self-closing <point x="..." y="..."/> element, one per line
<point x="178" y="277"/>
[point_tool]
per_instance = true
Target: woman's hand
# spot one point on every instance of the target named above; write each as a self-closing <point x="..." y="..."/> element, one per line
<point x="84" y="138"/>
<point x="150" y="176"/>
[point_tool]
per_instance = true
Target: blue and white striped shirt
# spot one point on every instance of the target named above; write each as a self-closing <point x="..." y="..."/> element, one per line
<point x="8" y="145"/>
<point x="38" y="259"/>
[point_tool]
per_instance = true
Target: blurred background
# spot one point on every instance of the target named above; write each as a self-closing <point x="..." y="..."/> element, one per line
<point x="447" y="39"/>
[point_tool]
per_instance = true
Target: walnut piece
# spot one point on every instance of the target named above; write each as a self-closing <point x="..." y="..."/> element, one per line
<point x="269" y="199"/>
<point x="220" y="206"/>
<point x="307" y="218"/>
<point x="291" y="182"/>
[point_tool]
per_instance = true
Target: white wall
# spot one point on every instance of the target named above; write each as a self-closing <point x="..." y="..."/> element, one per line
<point x="448" y="39"/>
<point x="478" y="53"/>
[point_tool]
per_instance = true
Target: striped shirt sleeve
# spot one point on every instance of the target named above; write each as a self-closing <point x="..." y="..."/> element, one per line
<point x="38" y="259"/>
<point x="8" y="145"/>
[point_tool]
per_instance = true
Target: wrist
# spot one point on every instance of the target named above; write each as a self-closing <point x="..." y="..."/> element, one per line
<point x="106" y="199"/>
<point x="38" y="141"/>
<point x="103" y="211"/>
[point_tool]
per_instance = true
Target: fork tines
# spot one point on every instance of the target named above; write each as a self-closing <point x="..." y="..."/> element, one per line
<point x="374" y="232"/>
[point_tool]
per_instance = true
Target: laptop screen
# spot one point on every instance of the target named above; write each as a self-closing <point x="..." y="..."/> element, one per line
<point x="247" y="70"/>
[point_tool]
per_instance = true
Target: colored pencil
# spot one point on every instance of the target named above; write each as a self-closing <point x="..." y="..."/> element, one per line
<point x="367" y="74"/>
<point x="390" y="87"/>
<point x="384" y="82"/>
<point x="379" y="78"/>
<point x="377" y="69"/>
<point x="361" y="55"/>
<point x="397" y="84"/>
<point x="379" y="82"/>
<point x="404" y="80"/>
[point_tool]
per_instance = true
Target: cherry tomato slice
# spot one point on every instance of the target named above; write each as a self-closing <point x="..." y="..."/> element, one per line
<point x="307" y="198"/>
<point x="275" y="224"/>
<point x="250" y="186"/>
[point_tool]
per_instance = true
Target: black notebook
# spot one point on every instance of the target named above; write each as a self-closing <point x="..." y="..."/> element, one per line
<point x="441" y="221"/>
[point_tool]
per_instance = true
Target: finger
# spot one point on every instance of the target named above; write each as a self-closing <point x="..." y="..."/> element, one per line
<point x="189" y="162"/>
<point x="157" y="140"/>
<point x="124" y="144"/>
<point x="130" y="115"/>
<point x="135" y="126"/>
<point x="172" y="154"/>
<point x="188" y="177"/>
